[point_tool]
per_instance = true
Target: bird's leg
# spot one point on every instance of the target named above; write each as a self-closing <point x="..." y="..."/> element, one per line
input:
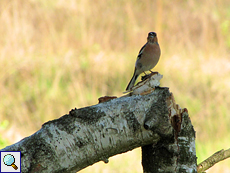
<point x="148" y="75"/>
<point x="153" y="73"/>
<point x="144" y="77"/>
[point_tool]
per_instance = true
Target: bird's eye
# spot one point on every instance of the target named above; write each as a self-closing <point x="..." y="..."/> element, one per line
<point x="152" y="34"/>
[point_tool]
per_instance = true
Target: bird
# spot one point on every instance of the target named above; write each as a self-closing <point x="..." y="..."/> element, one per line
<point x="147" y="58"/>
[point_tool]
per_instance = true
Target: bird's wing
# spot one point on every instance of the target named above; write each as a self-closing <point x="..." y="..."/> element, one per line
<point x="140" y="52"/>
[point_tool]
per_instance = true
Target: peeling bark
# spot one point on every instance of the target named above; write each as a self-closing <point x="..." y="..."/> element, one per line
<point x="91" y="134"/>
<point x="176" y="153"/>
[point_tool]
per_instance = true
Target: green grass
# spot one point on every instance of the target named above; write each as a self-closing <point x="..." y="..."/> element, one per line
<point x="57" y="55"/>
<point x="3" y="127"/>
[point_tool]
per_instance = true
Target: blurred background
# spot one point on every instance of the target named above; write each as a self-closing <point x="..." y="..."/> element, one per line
<point x="60" y="54"/>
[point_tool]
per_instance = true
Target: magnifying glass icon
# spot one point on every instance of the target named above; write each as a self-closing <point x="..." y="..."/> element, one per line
<point x="9" y="160"/>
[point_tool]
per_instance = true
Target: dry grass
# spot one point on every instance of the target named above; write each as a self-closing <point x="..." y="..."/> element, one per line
<point x="59" y="54"/>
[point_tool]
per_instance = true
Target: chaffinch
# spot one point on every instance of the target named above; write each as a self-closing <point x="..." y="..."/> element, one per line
<point x="147" y="58"/>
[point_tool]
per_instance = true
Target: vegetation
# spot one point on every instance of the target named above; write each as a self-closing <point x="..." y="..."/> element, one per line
<point x="59" y="54"/>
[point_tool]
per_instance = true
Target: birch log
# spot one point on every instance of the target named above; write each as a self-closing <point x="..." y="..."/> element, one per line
<point x="148" y="116"/>
<point x="91" y="134"/>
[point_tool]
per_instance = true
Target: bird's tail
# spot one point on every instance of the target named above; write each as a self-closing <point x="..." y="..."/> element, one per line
<point x="132" y="81"/>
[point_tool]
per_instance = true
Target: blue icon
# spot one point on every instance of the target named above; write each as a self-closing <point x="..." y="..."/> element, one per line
<point x="9" y="160"/>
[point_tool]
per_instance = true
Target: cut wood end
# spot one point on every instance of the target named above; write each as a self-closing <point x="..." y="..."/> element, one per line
<point x="147" y="85"/>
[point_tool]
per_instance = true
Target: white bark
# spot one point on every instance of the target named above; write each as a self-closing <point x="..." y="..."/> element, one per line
<point x="95" y="133"/>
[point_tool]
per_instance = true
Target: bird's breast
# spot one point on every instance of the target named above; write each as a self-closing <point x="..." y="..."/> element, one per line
<point x="150" y="56"/>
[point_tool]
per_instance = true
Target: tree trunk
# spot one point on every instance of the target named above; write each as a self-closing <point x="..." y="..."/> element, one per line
<point x="176" y="154"/>
<point x="91" y="134"/>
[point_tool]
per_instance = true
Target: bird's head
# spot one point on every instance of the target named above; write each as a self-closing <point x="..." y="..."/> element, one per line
<point x="152" y="34"/>
<point x="152" y="37"/>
